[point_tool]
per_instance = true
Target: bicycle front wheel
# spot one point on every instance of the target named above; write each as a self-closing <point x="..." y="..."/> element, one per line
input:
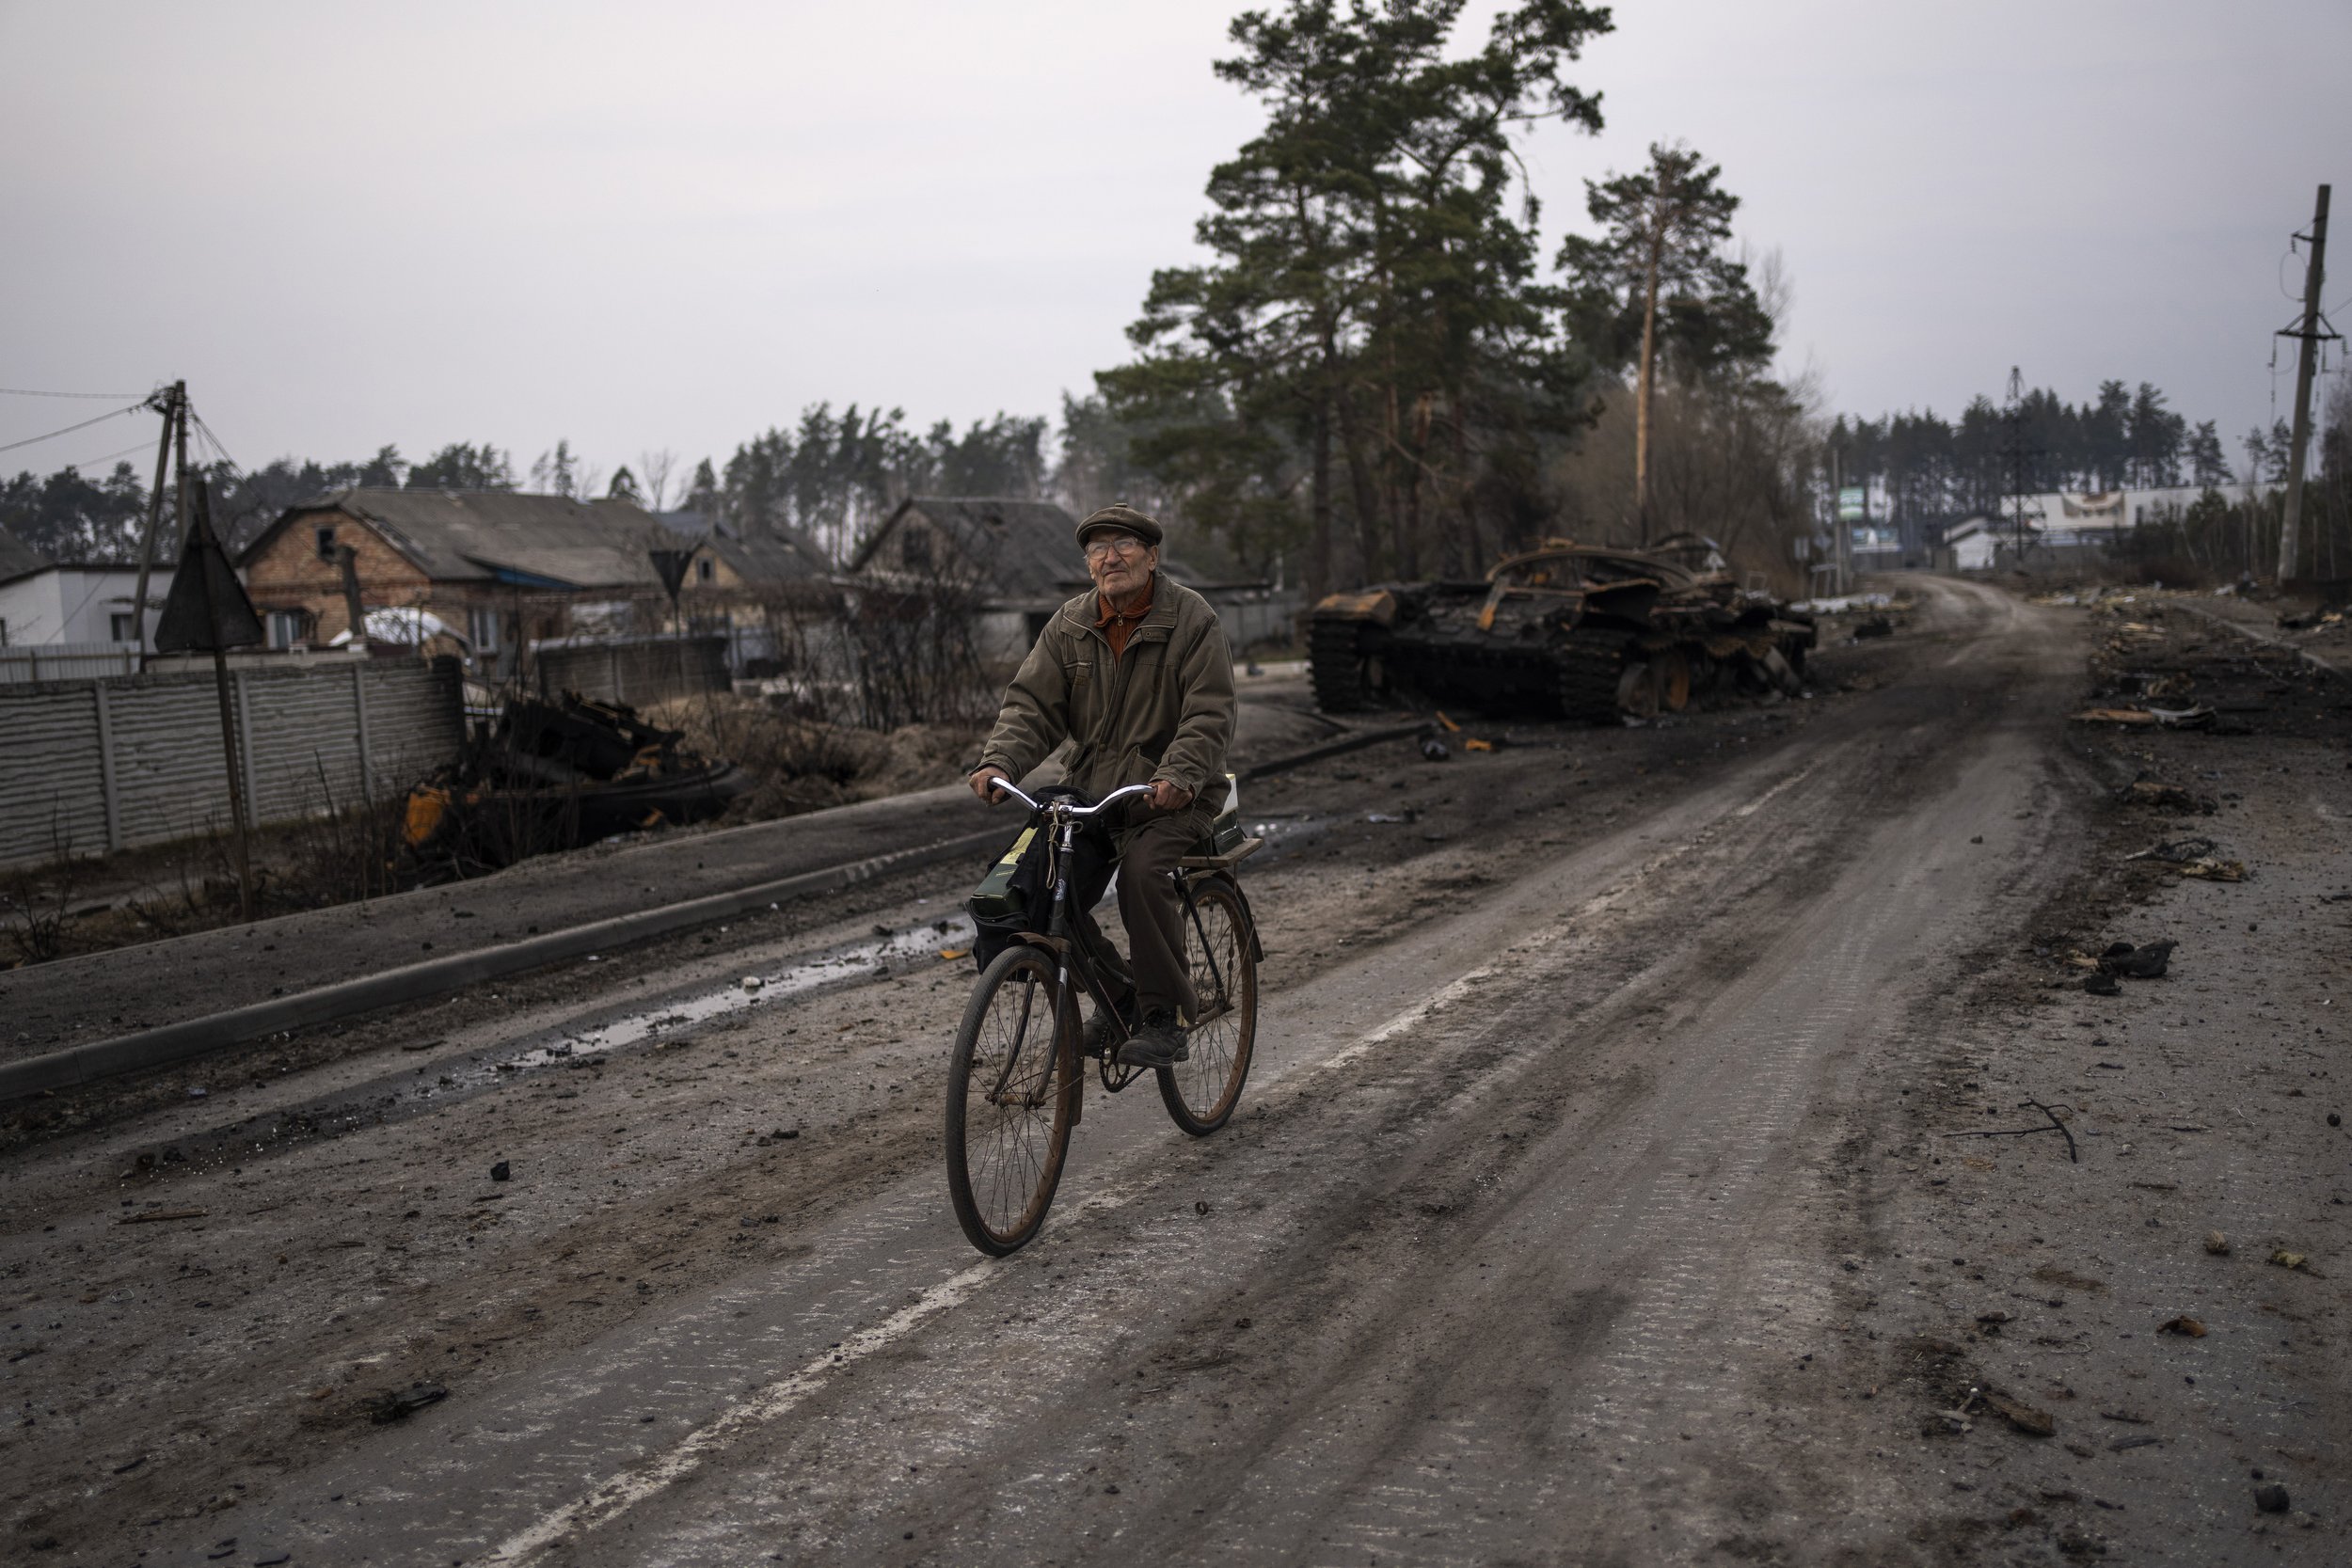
<point x="1012" y="1090"/>
<point x="1201" y="1090"/>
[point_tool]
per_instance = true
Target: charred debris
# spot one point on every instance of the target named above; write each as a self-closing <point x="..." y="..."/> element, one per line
<point x="546" y="775"/>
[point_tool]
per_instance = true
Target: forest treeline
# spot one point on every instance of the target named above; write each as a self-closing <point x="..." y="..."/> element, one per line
<point x="1379" y="367"/>
<point x="1922" y="468"/>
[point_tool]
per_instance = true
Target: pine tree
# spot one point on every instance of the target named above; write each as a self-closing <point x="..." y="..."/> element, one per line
<point x="1658" y="272"/>
<point x="1371" y="304"/>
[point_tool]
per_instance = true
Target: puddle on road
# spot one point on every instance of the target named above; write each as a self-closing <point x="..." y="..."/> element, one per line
<point x="882" y="955"/>
<point x="405" y="1092"/>
<point x="1287" y="830"/>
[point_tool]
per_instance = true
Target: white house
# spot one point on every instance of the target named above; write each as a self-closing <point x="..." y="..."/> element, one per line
<point x="70" y="603"/>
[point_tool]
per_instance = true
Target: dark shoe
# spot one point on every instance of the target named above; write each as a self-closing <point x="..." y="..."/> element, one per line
<point x="1158" y="1043"/>
<point x="1104" y="1033"/>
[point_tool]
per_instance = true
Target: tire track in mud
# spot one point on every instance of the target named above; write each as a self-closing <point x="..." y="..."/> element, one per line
<point x="1624" y="1336"/>
<point x="1351" y="1206"/>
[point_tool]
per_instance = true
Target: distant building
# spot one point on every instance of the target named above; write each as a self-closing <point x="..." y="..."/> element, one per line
<point x="2067" y="527"/>
<point x="47" y="602"/>
<point x="771" y="593"/>
<point x="736" y="565"/>
<point x="1020" y="560"/>
<point x="498" y="567"/>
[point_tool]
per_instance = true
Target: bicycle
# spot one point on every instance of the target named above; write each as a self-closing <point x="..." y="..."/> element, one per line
<point x="1015" y="1081"/>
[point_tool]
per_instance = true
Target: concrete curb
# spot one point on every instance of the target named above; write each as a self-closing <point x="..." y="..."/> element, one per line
<point x="2257" y="635"/>
<point x="173" y="1042"/>
<point x="195" y="1037"/>
<point x="1333" y="749"/>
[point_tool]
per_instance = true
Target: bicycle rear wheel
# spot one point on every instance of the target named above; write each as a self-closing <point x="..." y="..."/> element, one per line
<point x="1012" y="1090"/>
<point x="1201" y="1090"/>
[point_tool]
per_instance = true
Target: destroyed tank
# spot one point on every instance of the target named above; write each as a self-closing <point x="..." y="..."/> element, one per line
<point x="1577" y="631"/>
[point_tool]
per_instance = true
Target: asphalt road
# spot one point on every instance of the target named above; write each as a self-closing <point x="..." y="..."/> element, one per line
<point x="1516" y="1253"/>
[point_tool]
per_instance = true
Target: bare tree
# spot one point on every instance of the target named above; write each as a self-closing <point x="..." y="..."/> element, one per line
<point x="654" y="470"/>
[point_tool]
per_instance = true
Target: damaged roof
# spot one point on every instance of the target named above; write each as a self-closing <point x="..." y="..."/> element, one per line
<point x="1025" y="550"/>
<point x="778" y="556"/>
<point x="500" y="535"/>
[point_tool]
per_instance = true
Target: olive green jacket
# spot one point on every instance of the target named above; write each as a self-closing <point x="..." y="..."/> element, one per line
<point x="1164" y="709"/>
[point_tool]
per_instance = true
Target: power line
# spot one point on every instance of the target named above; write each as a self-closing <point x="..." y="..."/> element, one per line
<point x="24" y="392"/>
<point x="110" y="456"/>
<point x="213" y="441"/>
<point x="69" y="430"/>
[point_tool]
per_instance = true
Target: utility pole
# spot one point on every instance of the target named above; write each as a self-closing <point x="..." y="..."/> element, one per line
<point x="1840" y="531"/>
<point x="2018" y="452"/>
<point x="179" y="436"/>
<point x="1645" y="384"/>
<point x="2311" y="330"/>
<point x="207" y="612"/>
<point x="168" y="403"/>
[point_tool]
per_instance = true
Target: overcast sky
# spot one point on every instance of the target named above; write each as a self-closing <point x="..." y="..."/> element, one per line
<point x="641" y="226"/>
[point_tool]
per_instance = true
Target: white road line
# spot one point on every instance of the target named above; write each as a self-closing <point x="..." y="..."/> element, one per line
<point x="629" y="1487"/>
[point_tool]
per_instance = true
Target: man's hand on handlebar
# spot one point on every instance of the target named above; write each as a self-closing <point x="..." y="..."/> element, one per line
<point x="993" y="783"/>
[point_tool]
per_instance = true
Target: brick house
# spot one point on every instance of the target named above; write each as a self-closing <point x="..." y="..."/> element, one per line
<point x="499" y="567"/>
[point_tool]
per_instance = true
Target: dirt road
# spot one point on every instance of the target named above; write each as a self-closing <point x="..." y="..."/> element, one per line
<point x="1583" y="1207"/>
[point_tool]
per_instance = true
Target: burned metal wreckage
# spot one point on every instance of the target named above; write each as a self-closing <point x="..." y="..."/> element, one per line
<point x="553" y="775"/>
<point x="1579" y="631"/>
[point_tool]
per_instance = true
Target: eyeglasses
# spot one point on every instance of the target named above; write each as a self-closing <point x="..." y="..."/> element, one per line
<point x="1099" y="549"/>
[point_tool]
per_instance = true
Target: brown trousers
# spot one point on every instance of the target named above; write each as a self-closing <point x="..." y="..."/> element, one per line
<point x="1153" y="913"/>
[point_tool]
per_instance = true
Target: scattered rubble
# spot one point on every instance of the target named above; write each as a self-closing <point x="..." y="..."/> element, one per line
<point x="2164" y="796"/>
<point x="2137" y="963"/>
<point x="403" y="1402"/>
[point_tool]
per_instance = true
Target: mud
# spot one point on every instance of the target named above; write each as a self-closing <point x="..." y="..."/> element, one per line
<point x="1627" y="1243"/>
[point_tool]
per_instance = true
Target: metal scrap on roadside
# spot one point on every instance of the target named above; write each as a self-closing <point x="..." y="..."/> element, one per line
<point x="554" y="775"/>
<point x="2195" y="717"/>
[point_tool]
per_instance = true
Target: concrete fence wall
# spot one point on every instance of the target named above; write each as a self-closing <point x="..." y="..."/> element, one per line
<point x="1252" y="615"/>
<point x="94" y="766"/>
<point x="66" y="661"/>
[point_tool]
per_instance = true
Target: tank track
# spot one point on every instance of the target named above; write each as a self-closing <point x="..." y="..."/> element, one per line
<point x="1336" y="667"/>
<point x="1586" y="664"/>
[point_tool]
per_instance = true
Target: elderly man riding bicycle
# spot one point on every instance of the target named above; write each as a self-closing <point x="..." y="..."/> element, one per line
<point x="1137" y="673"/>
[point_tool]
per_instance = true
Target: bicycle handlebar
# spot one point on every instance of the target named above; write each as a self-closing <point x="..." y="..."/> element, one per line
<point x="1065" y="807"/>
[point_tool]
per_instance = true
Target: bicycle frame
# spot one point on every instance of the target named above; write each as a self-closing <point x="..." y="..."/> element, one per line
<point x="998" y="1020"/>
<point x="1062" y="936"/>
<point x="1062" y="933"/>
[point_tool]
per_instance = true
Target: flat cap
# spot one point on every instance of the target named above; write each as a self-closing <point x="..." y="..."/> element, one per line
<point x="1122" y="516"/>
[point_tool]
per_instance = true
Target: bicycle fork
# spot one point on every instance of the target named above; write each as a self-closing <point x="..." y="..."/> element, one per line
<point x="1057" y="925"/>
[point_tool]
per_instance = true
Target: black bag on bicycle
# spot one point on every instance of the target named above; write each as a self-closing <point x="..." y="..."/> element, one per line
<point x="1017" y="894"/>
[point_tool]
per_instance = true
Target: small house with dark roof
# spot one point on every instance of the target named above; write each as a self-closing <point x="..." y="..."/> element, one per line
<point x="772" y="593"/>
<point x="736" y="563"/>
<point x="1017" y="562"/>
<point x="1020" y="562"/>
<point x="1017" y="555"/>
<point x="500" y="566"/>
